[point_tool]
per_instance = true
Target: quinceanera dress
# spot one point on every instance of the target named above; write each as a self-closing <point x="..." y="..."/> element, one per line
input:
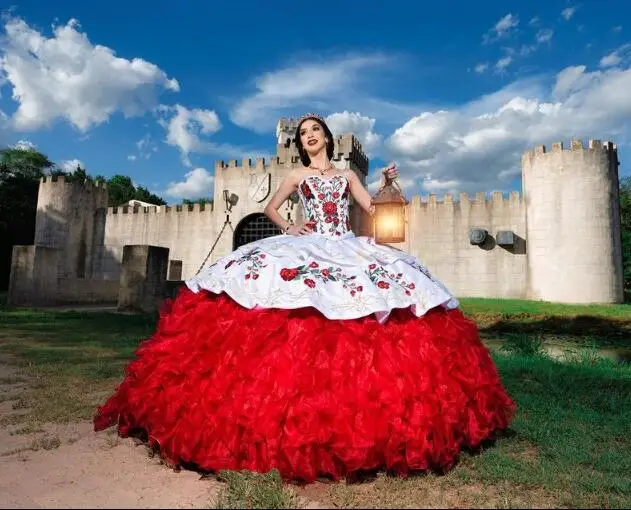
<point x="321" y="356"/>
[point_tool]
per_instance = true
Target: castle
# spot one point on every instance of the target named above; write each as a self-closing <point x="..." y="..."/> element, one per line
<point x="560" y="241"/>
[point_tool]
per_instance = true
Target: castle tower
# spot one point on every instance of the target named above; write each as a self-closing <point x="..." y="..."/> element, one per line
<point x="71" y="217"/>
<point x="348" y="151"/>
<point x="573" y="223"/>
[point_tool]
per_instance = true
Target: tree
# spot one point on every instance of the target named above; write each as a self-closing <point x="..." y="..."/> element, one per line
<point x="120" y="190"/>
<point x="145" y="195"/>
<point x="27" y="163"/>
<point x="20" y="172"/>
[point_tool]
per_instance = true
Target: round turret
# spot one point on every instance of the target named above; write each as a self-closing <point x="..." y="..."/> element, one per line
<point x="573" y="223"/>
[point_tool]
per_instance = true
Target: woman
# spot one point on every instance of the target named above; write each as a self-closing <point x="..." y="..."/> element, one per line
<point x="315" y="352"/>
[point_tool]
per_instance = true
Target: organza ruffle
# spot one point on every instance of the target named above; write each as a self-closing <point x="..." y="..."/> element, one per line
<point x="223" y="387"/>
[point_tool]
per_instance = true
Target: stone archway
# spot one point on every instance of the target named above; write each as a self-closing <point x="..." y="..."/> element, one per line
<point x="253" y="227"/>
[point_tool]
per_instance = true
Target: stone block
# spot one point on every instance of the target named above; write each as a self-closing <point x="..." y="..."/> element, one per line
<point x="143" y="278"/>
<point x="33" y="280"/>
<point x="175" y="270"/>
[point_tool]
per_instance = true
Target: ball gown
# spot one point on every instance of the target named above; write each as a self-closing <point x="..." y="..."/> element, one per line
<point x="322" y="355"/>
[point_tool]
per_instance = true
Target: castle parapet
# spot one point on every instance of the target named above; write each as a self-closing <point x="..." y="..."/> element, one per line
<point x="161" y="209"/>
<point x="594" y="146"/>
<point x="448" y="201"/>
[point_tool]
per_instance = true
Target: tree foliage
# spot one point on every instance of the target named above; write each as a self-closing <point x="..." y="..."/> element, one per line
<point x="121" y="190"/>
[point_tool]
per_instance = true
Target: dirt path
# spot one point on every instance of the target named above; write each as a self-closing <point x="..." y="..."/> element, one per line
<point x="70" y="466"/>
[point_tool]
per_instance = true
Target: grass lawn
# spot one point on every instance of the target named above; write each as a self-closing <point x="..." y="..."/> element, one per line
<point x="569" y="446"/>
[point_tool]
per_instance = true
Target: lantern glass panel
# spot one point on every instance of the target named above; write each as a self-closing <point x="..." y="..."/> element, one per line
<point x="390" y="222"/>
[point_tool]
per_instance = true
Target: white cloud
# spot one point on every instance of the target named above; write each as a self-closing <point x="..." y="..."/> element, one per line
<point x="568" y="12"/>
<point x="70" y="165"/>
<point x="612" y="59"/>
<point x="502" y="28"/>
<point x="185" y="128"/>
<point x="617" y="56"/>
<point x="480" y="68"/>
<point x="66" y="77"/>
<point x="197" y="183"/>
<point x="478" y="146"/>
<point x="25" y="145"/>
<point x="146" y="147"/>
<point x="316" y="85"/>
<point x="362" y="127"/>
<point x="505" y="24"/>
<point x="544" y="35"/>
<point x="503" y="63"/>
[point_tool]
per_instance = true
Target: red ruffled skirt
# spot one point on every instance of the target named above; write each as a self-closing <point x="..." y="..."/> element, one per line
<point x="223" y="387"/>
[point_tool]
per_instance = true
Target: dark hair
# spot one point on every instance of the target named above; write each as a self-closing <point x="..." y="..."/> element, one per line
<point x="330" y="145"/>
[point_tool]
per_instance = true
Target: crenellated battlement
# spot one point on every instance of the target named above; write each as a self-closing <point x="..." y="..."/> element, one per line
<point x="347" y="147"/>
<point x="161" y="209"/>
<point x="540" y="151"/>
<point x="495" y="198"/>
<point x="59" y="180"/>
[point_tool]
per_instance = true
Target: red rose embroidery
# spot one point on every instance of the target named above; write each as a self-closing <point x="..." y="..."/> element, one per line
<point x="313" y="265"/>
<point x="329" y="208"/>
<point x="383" y="285"/>
<point x="306" y="191"/>
<point x="288" y="274"/>
<point x="309" y="283"/>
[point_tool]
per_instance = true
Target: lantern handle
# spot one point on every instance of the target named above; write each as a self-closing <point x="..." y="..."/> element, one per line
<point x="393" y="183"/>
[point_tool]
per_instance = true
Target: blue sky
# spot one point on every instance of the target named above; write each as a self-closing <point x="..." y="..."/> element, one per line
<point x="452" y="91"/>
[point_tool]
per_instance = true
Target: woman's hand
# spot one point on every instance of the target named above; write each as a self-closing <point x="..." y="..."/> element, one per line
<point x="301" y="230"/>
<point x="388" y="175"/>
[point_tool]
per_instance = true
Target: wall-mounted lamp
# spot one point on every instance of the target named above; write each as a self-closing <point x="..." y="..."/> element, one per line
<point x="478" y="235"/>
<point x="505" y="238"/>
<point x="230" y="199"/>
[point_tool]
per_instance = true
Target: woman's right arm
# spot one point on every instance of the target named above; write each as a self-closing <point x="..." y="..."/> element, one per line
<point x="286" y="188"/>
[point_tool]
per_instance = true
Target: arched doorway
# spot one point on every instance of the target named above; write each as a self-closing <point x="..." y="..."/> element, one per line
<point x="252" y="228"/>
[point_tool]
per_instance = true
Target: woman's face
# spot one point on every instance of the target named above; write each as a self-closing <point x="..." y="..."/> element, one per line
<point x="312" y="137"/>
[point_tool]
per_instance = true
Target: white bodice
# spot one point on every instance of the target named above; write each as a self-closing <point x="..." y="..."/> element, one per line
<point x="326" y="203"/>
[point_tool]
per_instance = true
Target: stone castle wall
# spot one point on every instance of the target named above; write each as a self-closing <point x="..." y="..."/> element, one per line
<point x="438" y="235"/>
<point x="559" y="241"/>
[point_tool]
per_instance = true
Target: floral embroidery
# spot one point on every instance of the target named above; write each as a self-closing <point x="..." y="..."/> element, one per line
<point x="378" y="275"/>
<point x="312" y="272"/>
<point x="325" y="202"/>
<point x="255" y="259"/>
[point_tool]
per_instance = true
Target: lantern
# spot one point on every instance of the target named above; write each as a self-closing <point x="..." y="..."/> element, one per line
<point x="389" y="215"/>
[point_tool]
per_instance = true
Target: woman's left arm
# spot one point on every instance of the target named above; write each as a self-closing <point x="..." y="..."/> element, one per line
<point x="359" y="192"/>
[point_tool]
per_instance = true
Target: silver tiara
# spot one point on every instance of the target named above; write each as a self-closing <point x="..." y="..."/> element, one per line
<point x="310" y="115"/>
